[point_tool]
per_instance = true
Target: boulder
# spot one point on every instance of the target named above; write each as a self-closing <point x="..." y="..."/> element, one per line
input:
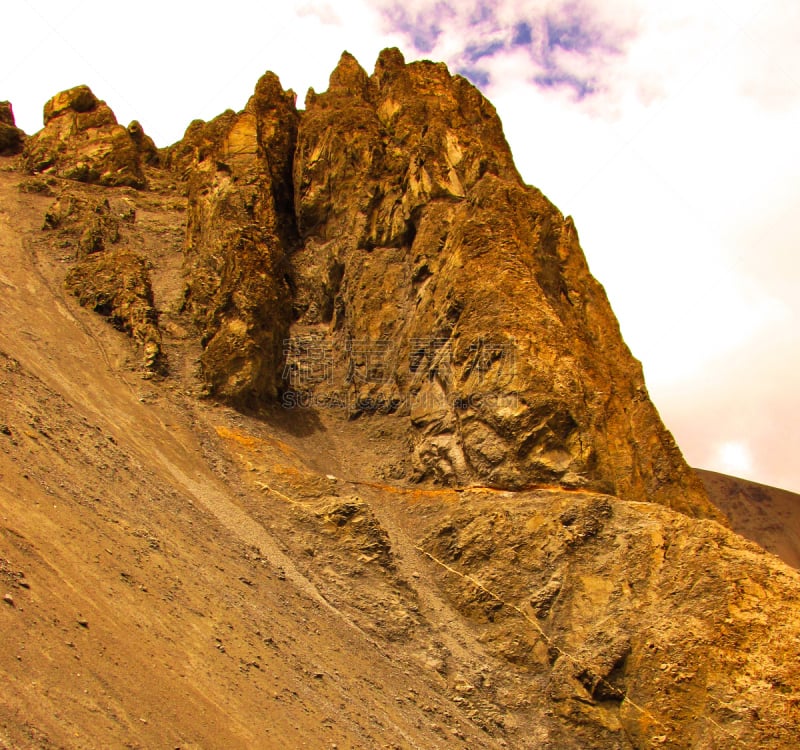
<point x="144" y="144"/>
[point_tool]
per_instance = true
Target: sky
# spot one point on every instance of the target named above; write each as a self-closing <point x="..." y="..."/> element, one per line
<point x="668" y="130"/>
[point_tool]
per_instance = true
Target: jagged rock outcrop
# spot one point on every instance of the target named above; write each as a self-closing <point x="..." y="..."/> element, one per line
<point x="383" y="239"/>
<point x="447" y="309"/>
<point x="12" y="139"/>
<point x="81" y="140"/>
<point x="459" y="298"/>
<point x="642" y="628"/>
<point x="145" y="145"/>
<point x="240" y="227"/>
<point x="113" y="281"/>
<point x="89" y="224"/>
<point x="116" y="284"/>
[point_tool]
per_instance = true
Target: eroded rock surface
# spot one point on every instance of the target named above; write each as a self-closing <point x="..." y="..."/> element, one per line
<point x="116" y="284"/>
<point x="457" y="297"/>
<point x="81" y="140"/>
<point x="446" y="308"/>
<point x="111" y="279"/>
<point x="379" y="252"/>
<point x="12" y="139"/>
<point x="240" y="227"/>
<point x="642" y="627"/>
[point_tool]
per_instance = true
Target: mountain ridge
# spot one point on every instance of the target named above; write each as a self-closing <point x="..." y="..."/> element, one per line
<point x="182" y="571"/>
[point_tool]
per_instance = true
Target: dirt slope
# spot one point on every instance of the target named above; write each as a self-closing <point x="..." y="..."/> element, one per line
<point x="181" y="575"/>
<point x="148" y="609"/>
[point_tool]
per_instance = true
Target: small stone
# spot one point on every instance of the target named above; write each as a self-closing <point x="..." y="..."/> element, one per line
<point x="83" y="623"/>
<point x="8" y="599"/>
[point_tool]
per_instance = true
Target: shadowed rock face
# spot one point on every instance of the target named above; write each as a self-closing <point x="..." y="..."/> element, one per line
<point x="12" y="139"/>
<point x="81" y="140"/>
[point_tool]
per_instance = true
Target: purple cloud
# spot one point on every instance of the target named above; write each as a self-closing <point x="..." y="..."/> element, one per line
<point x="567" y="45"/>
<point x="423" y="27"/>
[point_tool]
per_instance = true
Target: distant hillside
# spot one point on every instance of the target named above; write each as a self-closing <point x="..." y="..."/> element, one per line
<point x="765" y="515"/>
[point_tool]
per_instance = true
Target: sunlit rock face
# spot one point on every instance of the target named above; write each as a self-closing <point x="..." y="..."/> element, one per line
<point x="81" y="140"/>
<point x="387" y="223"/>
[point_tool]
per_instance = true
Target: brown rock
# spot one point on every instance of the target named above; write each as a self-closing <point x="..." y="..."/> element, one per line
<point x="12" y="139"/>
<point x="240" y="227"/>
<point x="651" y="624"/>
<point x="116" y="284"/>
<point x="459" y="298"/>
<point x="82" y="141"/>
<point x="92" y="224"/>
<point x="144" y="144"/>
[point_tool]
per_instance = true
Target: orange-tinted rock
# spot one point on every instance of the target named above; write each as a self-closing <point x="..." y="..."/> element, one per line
<point x="81" y="140"/>
<point x="422" y="247"/>
<point x="144" y="144"/>
<point x="116" y="284"/>
<point x="240" y="227"/>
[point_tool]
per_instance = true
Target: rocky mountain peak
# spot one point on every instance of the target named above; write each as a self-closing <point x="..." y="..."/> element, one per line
<point x="362" y="433"/>
<point x="81" y="140"/>
<point x="387" y="224"/>
<point x="348" y="78"/>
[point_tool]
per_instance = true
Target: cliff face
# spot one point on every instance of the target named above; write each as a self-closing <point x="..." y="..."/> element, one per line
<point x="379" y="253"/>
<point x="424" y="280"/>
<point x="390" y="310"/>
<point x="240" y="230"/>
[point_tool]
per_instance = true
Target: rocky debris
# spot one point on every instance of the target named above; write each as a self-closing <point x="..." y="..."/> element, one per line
<point x="90" y="222"/>
<point x="38" y="186"/>
<point x="240" y="227"/>
<point x="116" y="284"/>
<point x="8" y="599"/>
<point x="356" y="528"/>
<point x="12" y="139"/>
<point x="657" y="625"/>
<point x="109" y="276"/>
<point x="81" y="140"/>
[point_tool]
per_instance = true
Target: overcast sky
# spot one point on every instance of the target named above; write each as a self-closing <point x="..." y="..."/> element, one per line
<point x="668" y="130"/>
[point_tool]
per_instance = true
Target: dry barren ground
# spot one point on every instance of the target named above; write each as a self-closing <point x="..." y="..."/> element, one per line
<point x="178" y="575"/>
